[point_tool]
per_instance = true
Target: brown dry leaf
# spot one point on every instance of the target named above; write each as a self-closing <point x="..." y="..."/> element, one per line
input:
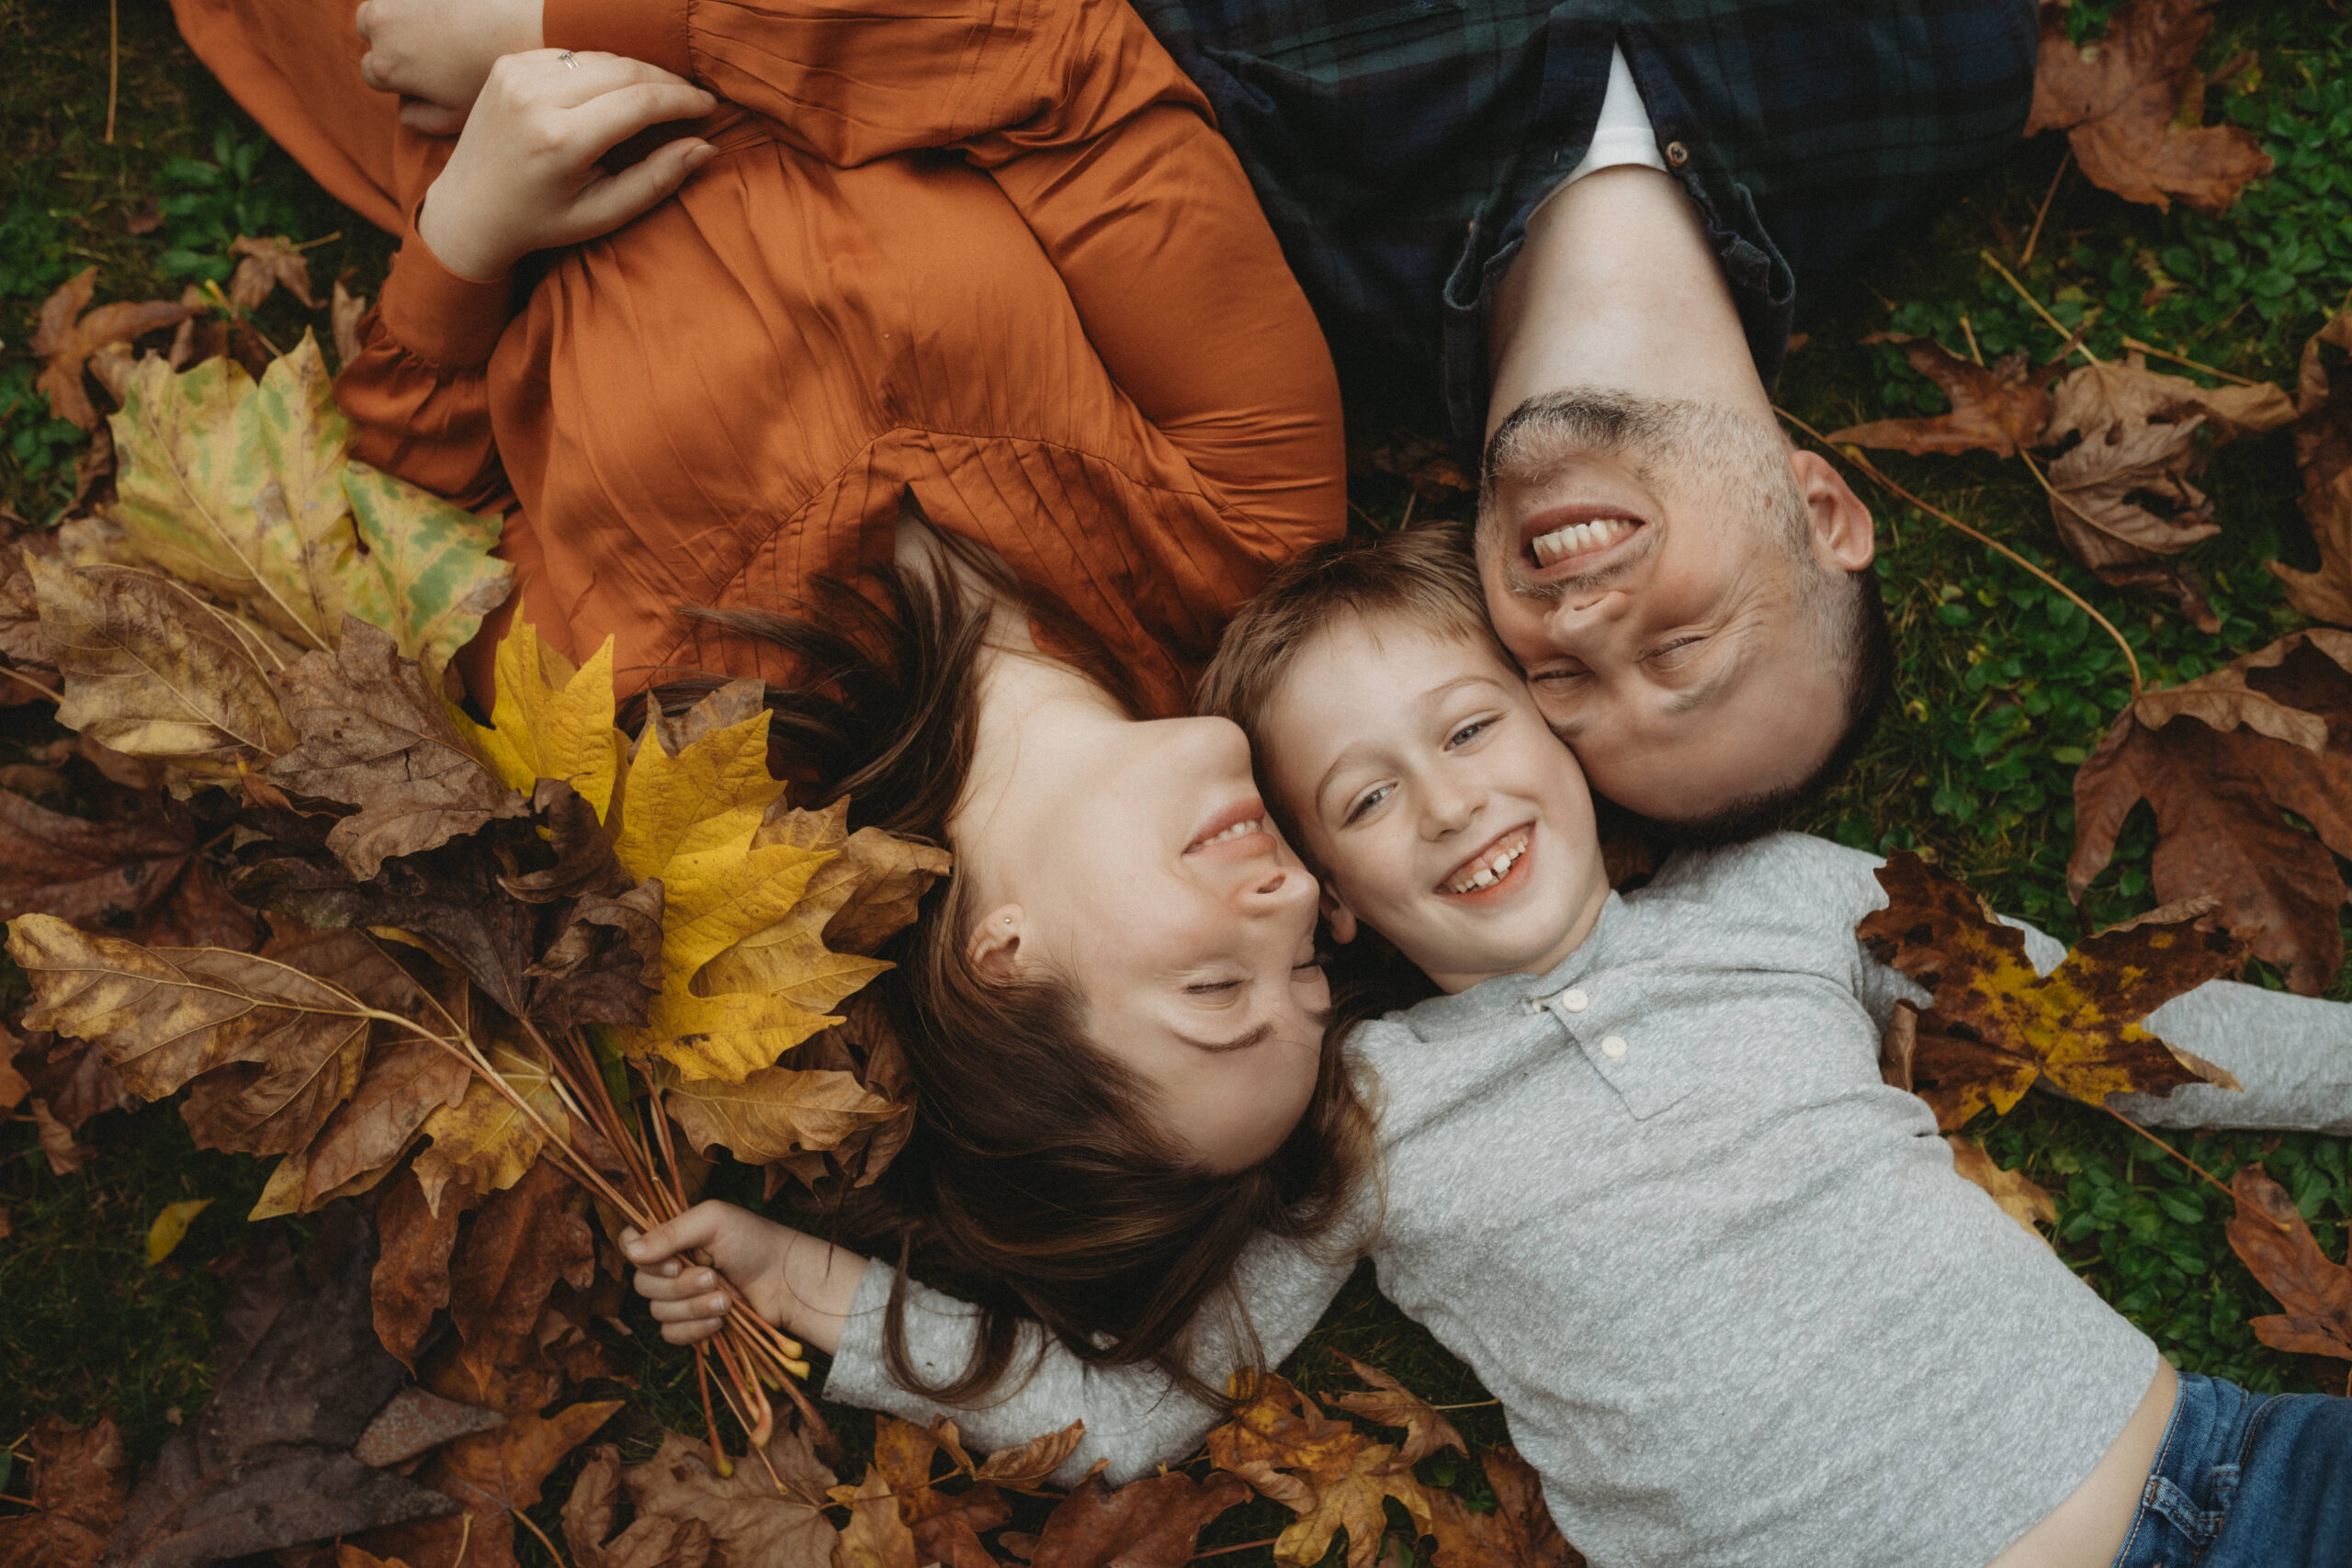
<point x="1327" y="1472"/>
<point x="654" y="1542"/>
<point x="73" y="1077"/>
<point x="774" y="1113"/>
<point x="416" y="1422"/>
<point x="1026" y="1468"/>
<point x="66" y="337"/>
<point x="80" y="1479"/>
<point x="1996" y="410"/>
<point x="65" y="1155"/>
<point x="948" y="1526"/>
<point x="484" y="1139"/>
<point x="2323" y="453"/>
<point x="137" y="876"/>
<point x="264" y="266"/>
<point x="1425" y="465"/>
<point x="14" y="1085"/>
<point x="1426" y="1428"/>
<point x="2019" y="1196"/>
<point x="1152" y="1523"/>
<point x="876" y="1535"/>
<point x="2120" y="102"/>
<point x="754" y="1526"/>
<point x="411" y="1282"/>
<point x="402" y="1084"/>
<point x="605" y="967"/>
<point x="2218" y="795"/>
<point x="1519" y="1533"/>
<point x="152" y="670"/>
<point x="524" y="1240"/>
<point x="374" y="734"/>
<point x="346" y="310"/>
<point x="2268" y="1234"/>
<point x="2079" y="1026"/>
<point x="165" y="1015"/>
<point x="490" y="1477"/>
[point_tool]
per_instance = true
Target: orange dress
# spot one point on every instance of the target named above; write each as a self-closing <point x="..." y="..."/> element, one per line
<point x="989" y="253"/>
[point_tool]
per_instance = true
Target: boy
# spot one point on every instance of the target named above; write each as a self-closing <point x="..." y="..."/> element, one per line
<point x="1641" y="1172"/>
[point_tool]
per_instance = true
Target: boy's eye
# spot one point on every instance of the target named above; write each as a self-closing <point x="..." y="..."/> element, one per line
<point x="1367" y="800"/>
<point x="1212" y="987"/>
<point x="1469" y="732"/>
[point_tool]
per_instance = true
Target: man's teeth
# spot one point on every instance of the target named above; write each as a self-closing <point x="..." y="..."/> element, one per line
<point x="1239" y="830"/>
<point x="1490" y="869"/>
<point x="1578" y="538"/>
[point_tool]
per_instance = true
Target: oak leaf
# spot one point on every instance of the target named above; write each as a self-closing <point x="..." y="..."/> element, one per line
<point x="2269" y="1235"/>
<point x="1152" y="1523"/>
<point x="2078" y="1027"/>
<point x="2220" y="760"/>
<point x="2019" y="1196"/>
<point x="263" y="267"/>
<point x="1391" y="1404"/>
<point x="2119" y="102"/>
<point x="80" y="1479"/>
<point x="2323" y="453"/>
<point x="66" y="336"/>
<point x="373" y="734"/>
<point x="1518" y="1533"/>
<point x="753" y="1524"/>
<point x="1996" y="410"/>
<point x="152" y="671"/>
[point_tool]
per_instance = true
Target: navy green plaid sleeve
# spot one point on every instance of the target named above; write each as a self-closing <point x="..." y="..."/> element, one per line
<point x="1397" y="145"/>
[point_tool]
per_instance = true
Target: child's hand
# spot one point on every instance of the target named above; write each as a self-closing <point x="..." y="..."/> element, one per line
<point x="802" y="1283"/>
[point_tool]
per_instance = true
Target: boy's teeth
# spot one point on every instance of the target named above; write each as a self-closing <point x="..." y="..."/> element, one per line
<point x="1491" y="870"/>
<point x="1578" y="538"/>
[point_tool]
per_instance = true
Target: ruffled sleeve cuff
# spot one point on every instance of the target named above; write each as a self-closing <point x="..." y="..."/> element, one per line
<point x="650" y="31"/>
<point x="438" y="316"/>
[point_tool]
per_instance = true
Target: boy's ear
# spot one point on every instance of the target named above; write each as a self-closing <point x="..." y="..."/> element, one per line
<point x="995" y="947"/>
<point x="1342" y="920"/>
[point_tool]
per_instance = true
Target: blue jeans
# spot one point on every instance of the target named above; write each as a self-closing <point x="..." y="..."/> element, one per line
<point x="2247" y="1480"/>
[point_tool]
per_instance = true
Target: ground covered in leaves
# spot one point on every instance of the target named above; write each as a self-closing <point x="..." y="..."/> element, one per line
<point x="131" y="1278"/>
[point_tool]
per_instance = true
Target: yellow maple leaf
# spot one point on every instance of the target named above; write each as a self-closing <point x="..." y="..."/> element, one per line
<point x="484" y="1137"/>
<point x="551" y="721"/>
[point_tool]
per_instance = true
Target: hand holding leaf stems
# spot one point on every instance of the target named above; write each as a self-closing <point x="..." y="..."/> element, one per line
<point x="695" y="1267"/>
<point x="438" y="53"/>
<point x="525" y="175"/>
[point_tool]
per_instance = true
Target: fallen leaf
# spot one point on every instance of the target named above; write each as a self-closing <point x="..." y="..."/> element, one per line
<point x="754" y="1525"/>
<point x="170" y="1228"/>
<point x="1426" y="1429"/>
<point x="948" y="1526"/>
<point x="416" y="1422"/>
<point x="2323" y="453"/>
<point x="2269" y="1235"/>
<point x="488" y="1479"/>
<point x="606" y="965"/>
<point x="411" y="1282"/>
<point x="524" y="1240"/>
<point x="2218" y="794"/>
<point x="1026" y="1468"/>
<point x="152" y="671"/>
<point x="2121" y="101"/>
<point x="1426" y="466"/>
<point x="2079" y="1026"/>
<point x="1328" y="1474"/>
<point x="775" y="1113"/>
<point x="655" y="1541"/>
<point x="431" y="577"/>
<point x="266" y="265"/>
<point x="65" y="1155"/>
<point x="135" y="876"/>
<point x="2019" y="1196"/>
<point x="549" y="720"/>
<point x="66" y="336"/>
<point x="1516" y="1533"/>
<point x="877" y="1536"/>
<point x="72" y="1077"/>
<point x="485" y="1139"/>
<point x="79" y="1481"/>
<point x="584" y="862"/>
<point x="346" y="310"/>
<point x="1996" y="410"/>
<point x="268" y="1463"/>
<point x="1152" y="1523"/>
<point x="374" y="735"/>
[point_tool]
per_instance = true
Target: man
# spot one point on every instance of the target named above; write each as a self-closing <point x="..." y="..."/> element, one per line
<point x="1579" y="230"/>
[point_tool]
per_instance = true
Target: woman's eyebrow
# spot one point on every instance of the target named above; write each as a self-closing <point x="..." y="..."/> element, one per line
<point x="1241" y="1042"/>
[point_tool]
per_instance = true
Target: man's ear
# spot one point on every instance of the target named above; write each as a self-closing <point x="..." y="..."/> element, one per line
<point x="995" y="947"/>
<point x="1342" y="918"/>
<point x="1843" y="536"/>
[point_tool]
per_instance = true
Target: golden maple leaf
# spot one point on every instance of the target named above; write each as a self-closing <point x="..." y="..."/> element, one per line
<point x="1326" y="1472"/>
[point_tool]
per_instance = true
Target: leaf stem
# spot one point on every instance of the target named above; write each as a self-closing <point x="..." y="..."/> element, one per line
<point x="55" y="696"/>
<point x="2073" y="337"/>
<point x="2209" y="1178"/>
<point x="1225" y="1551"/>
<point x="1854" y="456"/>
<point x="2065" y="160"/>
<point x="2184" y="359"/>
<point x="113" y="62"/>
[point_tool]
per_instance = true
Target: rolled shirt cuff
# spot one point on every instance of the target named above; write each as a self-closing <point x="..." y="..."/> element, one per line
<point x="650" y="31"/>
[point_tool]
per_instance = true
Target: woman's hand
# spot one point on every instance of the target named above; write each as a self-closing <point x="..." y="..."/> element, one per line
<point x="438" y="53"/>
<point x="524" y="174"/>
<point x="795" y="1281"/>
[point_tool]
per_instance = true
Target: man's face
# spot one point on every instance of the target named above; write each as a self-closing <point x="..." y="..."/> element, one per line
<point x="1658" y="571"/>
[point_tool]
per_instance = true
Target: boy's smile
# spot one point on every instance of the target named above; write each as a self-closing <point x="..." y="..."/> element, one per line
<point x="1439" y="808"/>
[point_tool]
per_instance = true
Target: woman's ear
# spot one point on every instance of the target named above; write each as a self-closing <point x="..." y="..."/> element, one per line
<point x="995" y="948"/>
<point x="1342" y="920"/>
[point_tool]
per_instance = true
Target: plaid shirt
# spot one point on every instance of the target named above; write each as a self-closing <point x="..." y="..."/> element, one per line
<point x="1398" y="145"/>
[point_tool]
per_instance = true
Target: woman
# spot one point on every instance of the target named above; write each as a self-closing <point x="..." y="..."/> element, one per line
<point x="1003" y="278"/>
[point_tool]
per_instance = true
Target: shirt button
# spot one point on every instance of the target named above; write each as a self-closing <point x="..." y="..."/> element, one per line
<point x="1614" y="1047"/>
<point x="1574" y="1001"/>
<point x="1677" y="154"/>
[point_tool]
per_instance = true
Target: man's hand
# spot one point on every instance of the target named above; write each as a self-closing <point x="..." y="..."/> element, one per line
<point x="795" y="1281"/>
<point x="438" y="53"/>
<point x="524" y="174"/>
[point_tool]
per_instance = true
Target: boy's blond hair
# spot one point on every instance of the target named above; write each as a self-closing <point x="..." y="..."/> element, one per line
<point x="1423" y="576"/>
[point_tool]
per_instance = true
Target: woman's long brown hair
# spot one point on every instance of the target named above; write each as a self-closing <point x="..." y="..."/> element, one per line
<point x="1036" y="1183"/>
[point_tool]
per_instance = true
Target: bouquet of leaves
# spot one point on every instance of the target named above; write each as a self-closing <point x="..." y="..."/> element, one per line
<point x="540" y="940"/>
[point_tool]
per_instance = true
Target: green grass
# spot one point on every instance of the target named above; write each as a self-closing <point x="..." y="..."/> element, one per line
<point x="2004" y="684"/>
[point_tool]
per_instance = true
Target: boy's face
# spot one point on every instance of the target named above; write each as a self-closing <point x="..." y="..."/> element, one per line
<point x="1442" y="811"/>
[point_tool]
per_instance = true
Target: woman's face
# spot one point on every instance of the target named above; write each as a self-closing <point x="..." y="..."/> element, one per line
<point x="1135" y="862"/>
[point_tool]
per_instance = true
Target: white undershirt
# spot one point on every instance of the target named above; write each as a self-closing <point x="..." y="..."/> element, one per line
<point x="1623" y="134"/>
